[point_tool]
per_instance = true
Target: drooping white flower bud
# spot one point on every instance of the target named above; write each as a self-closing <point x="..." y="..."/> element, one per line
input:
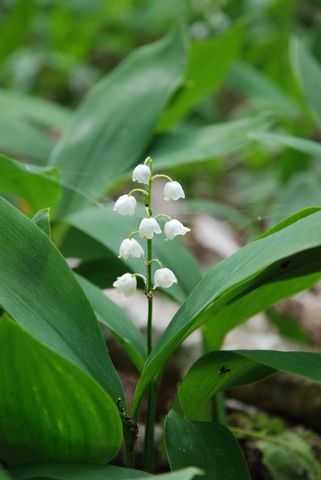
<point x="125" y="205"/>
<point x="164" y="277"/>
<point x="173" y="228"/>
<point x="147" y="228"/>
<point x="173" y="191"/>
<point x="126" y="284"/>
<point x="141" y="174"/>
<point x="130" y="248"/>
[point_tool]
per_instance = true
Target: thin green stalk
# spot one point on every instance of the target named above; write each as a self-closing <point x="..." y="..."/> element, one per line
<point x="219" y="409"/>
<point x="149" y="440"/>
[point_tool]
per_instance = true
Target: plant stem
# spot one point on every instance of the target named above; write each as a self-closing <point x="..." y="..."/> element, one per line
<point x="149" y="441"/>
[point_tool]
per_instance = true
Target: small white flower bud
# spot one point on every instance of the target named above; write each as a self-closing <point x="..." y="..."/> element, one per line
<point x="173" y="228"/>
<point x="147" y="228"/>
<point x="164" y="277"/>
<point x="173" y="191"/>
<point x="141" y="174"/>
<point x="130" y="248"/>
<point x="125" y="205"/>
<point x="126" y="284"/>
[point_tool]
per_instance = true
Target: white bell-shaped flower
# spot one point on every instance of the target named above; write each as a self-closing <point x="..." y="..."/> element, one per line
<point x="141" y="174"/>
<point x="130" y="248"/>
<point x="126" y="284"/>
<point x="164" y="277"/>
<point x="125" y="205"/>
<point x="173" y="191"/>
<point x="147" y="228"/>
<point x="173" y="228"/>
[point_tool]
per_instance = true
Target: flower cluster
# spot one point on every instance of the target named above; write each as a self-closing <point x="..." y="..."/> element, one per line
<point x="148" y="227"/>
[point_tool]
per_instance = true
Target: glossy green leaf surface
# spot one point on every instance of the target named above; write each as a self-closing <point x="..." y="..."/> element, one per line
<point x="94" y="472"/>
<point x="4" y="475"/>
<point x="255" y="85"/>
<point x="113" y="125"/>
<point x="50" y="410"/>
<point x="308" y="73"/>
<point x="208" y="63"/>
<point x="24" y="140"/>
<point x="34" y="109"/>
<point x="40" y="292"/>
<point x="288" y="254"/>
<point x="110" y="228"/>
<point x="209" y="446"/>
<point x="38" y="186"/>
<point x="301" y="144"/>
<point x="117" y="321"/>
<point x="214" y="372"/>
<point x="188" y="145"/>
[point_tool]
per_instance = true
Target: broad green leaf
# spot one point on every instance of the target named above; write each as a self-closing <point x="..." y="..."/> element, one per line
<point x="288" y="456"/>
<point x="34" y="109"/>
<point x="16" y="27"/>
<point x="50" y="410"/>
<point x="258" y="87"/>
<point x="4" y="475"/>
<point x="288" y="254"/>
<point x="301" y="191"/>
<point x="308" y="73"/>
<point x="109" y="228"/>
<point x="42" y="220"/>
<point x="22" y="139"/>
<point x="209" y="446"/>
<point x="208" y="63"/>
<point x="287" y="326"/>
<point x="221" y="370"/>
<point x="114" y="124"/>
<point x="40" y="292"/>
<point x="301" y="144"/>
<point x="117" y="321"/>
<point x="56" y="471"/>
<point x="38" y="186"/>
<point x="214" y="372"/>
<point x="188" y="145"/>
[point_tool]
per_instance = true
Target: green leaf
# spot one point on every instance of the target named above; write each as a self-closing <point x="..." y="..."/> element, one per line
<point x="41" y="293"/>
<point x="117" y="321"/>
<point x="214" y="372"/>
<point x="208" y="64"/>
<point x="288" y="327"/>
<point x="36" y="185"/>
<point x="218" y="209"/>
<point x="308" y="73"/>
<point x="114" y="124"/>
<point x="301" y="144"/>
<point x="56" y="471"/>
<point x="4" y="475"/>
<point x="252" y="83"/>
<point x="22" y="139"/>
<point x="42" y="220"/>
<point x="34" y="109"/>
<point x="188" y="145"/>
<point x="289" y="457"/>
<point x="16" y="27"/>
<point x="302" y="190"/>
<point x="50" y="410"/>
<point x="209" y="446"/>
<point x="286" y="255"/>
<point x="109" y="228"/>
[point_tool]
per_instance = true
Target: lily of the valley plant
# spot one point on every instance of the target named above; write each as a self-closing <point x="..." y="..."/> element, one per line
<point x="163" y="276"/>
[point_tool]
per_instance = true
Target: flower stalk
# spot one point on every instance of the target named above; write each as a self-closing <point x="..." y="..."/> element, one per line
<point x="163" y="277"/>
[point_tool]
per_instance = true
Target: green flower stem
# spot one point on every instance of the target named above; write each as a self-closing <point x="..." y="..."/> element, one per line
<point x="137" y="190"/>
<point x="136" y="232"/>
<point x="156" y="261"/>
<point x="149" y="440"/>
<point x="163" y="215"/>
<point x="161" y="175"/>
